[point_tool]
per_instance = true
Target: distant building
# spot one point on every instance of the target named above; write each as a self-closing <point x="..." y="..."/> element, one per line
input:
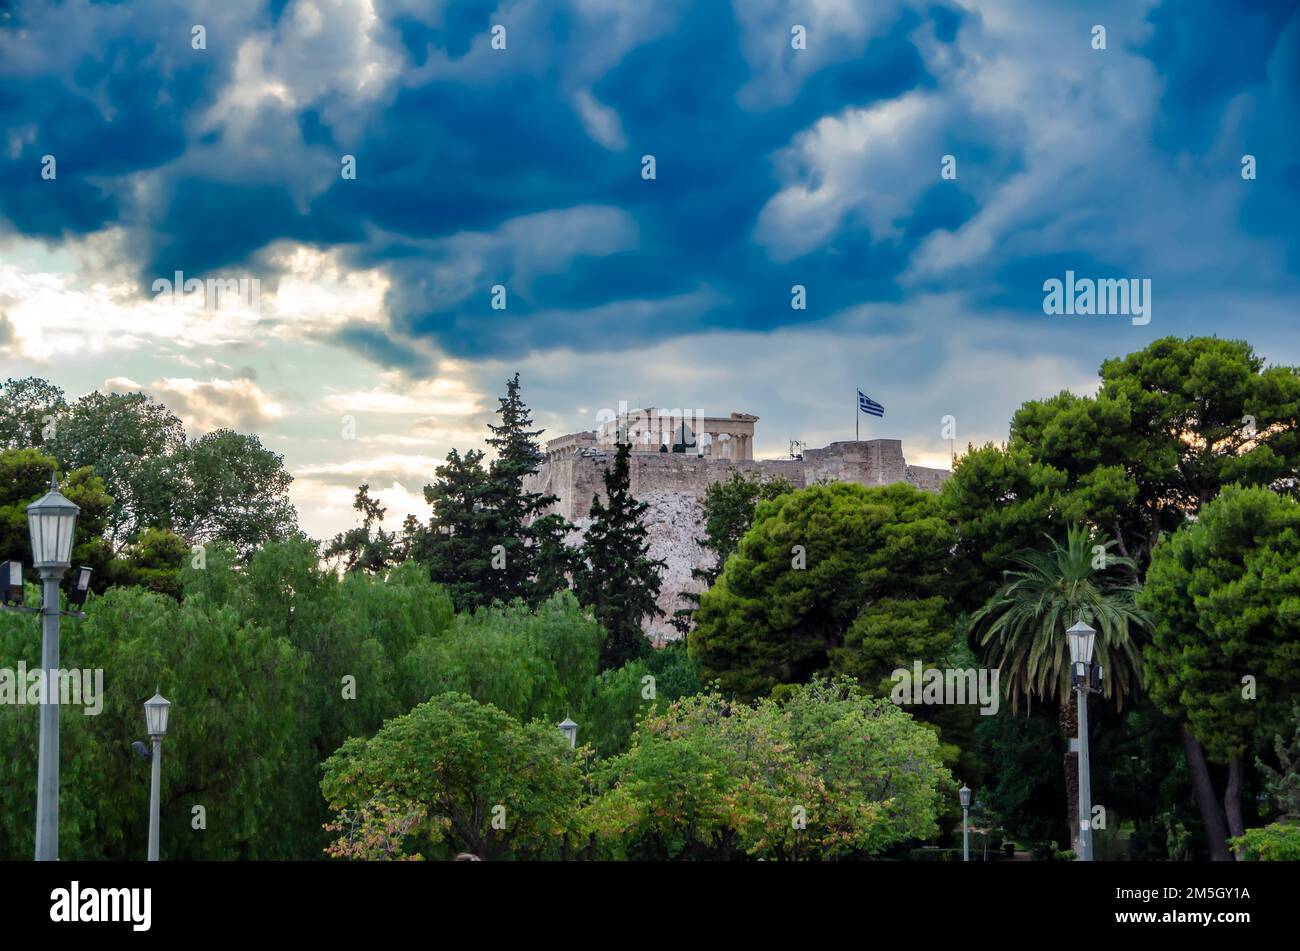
<point x="676" y="456"/>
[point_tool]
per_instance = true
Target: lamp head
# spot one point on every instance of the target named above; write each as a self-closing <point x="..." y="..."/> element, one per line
<point x="52" y="520"/>
<point x="1082" y="640"/>
<point x="156" y="709"/>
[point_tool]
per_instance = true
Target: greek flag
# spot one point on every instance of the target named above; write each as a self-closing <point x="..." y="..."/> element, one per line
<point x="869" y="406"/>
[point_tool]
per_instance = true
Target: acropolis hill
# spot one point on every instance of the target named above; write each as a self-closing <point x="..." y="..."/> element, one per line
<point x="676" y="457"/>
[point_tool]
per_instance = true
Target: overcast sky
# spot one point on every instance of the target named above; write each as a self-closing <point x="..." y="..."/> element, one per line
<point x="523" y="167"/>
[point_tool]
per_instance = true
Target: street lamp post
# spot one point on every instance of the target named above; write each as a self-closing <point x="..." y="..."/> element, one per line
<point x="964" y="794"/>
<point x="155" y="718"/>
<point x="52" y="520"/>
<point x="1083" y="641"/>
<point x="570" y="731"/>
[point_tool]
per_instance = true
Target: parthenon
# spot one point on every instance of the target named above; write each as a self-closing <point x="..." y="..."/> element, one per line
<point x="662" y="430"/>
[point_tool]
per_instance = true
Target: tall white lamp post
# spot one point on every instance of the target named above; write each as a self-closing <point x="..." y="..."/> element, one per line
<point x="1083" y="641"/>
<point x="155" y="718"/>
<point x="52" y="520"/>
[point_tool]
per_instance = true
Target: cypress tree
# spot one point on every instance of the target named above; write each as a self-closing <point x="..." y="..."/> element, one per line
<point x="617" y="579"/>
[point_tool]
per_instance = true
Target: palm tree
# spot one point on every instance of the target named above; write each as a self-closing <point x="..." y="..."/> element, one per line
<point x="1021" y="631"/>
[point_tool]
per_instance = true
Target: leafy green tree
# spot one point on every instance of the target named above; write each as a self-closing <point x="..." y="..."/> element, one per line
<point x="1024" y="785"/>
<point x="622" y="695"/>
<point x="1279" y="842"/>
<point x="827" y="773"/>
<point x="838" y="577"/>
<point x="1208" y="413"/>
<point x="529" y="664"/>
<point x="1170" y="426"/>
<point x="355" y="634"/>
<point x="1224" y="657"/>
<point x="28" y="407"/>
<point x="617" y="579"/>
<point x="133" y="443"/>
<point x="728" y="511"/>
<point x="478" y="781"/>
<point x="154" y="562"/>
<point x="1021" y="632"/>
<point x="1283" y="783"/>
<point x="1001" y="502"/>
<point x="235" y="489"/>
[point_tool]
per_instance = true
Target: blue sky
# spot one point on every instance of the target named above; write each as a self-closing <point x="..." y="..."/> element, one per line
<point x="522" y="167"/>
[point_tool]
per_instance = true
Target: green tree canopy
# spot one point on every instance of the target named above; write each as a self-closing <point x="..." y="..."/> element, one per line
<point x="473" y="777"/>
<point x="826" y="773"/>
<point x="28" y="408"/>
<point x="1169" y="427"/>
<point x="457" y="543"/>
<point x="534" y="564"/>
<point x="1223" y="595"/>
<point x="530" y="664"/>
<point x="234" y="489"/>
<point x="839" y="577"/>
<point x="728" y="511"/>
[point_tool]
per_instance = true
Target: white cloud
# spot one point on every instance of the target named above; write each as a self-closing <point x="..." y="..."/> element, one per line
<point x="861" y="162"/>
<point x="601" y="122"/>
<point x="206" y="405"/>
<point x="446" y="394"/>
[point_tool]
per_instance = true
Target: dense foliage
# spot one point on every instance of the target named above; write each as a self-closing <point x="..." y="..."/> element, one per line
<point x="838" y="577"/>
<point x="825" y="773"/>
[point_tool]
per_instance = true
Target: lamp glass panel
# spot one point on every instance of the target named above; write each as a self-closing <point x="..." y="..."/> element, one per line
<point x="36" y="524"/>
<point x="67" y="523"/>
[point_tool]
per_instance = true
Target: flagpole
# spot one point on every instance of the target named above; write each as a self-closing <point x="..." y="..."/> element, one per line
<point x="857" y="417"/>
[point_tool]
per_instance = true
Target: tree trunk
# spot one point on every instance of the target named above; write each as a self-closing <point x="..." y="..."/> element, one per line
<point x="1069" y="731"/>
<point x="1232" y="798"/>
<point x="1216" y="829"/>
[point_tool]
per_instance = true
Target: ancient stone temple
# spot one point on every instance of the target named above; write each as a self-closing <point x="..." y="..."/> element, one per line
<point x="676" y="455"/>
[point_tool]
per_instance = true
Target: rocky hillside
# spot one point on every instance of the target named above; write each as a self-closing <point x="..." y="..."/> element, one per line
<point x="674" y="522"/>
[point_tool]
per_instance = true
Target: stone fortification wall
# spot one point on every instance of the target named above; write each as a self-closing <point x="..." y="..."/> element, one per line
<point x="575" y="478"/>
<point x="674" y="484"/>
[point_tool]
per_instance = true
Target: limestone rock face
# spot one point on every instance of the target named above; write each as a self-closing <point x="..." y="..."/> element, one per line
<point x="673" y="524"/>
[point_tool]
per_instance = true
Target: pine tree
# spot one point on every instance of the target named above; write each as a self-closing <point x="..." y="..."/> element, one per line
<point x="457" y="545"/>
<point x="728" y="511"/>
<point x="536" y="562"/>
<point x="617" y="579"/>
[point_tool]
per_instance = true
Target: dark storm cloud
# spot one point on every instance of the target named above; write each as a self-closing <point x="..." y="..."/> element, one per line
<point x="522" y="168"/>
